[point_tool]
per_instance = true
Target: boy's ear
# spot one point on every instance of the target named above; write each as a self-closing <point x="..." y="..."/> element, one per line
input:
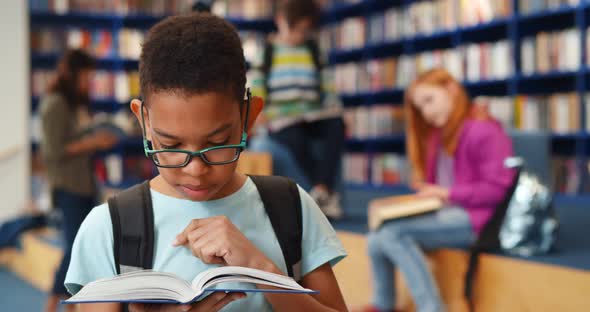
<point x="135" y="106"/>
<point x="256" y="106"/>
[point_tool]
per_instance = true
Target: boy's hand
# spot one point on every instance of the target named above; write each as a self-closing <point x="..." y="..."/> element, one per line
<point x="217" y="240"/>
<point x="212" y="303"/>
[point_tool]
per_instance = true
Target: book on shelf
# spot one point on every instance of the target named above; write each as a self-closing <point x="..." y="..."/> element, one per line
<point x="544" y="52"/>
<point x="149" y="286"/>
<point x="534" y="6"/>
<point x="559" y="113"/>
<point x="395" y="207"/>
<point x="501" y="108"/>
<point x="245" y="9"/>
<point x="376" y="121"/>
<point x="566" y="174"/>
<point x="356" y="168"/>
<point x="389" y="169"/>
<point x="564" y="112"/>
<point x="385" y="168"/>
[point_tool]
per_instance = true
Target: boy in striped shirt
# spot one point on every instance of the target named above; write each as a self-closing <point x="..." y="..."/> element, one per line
<point x="297" y="111"/>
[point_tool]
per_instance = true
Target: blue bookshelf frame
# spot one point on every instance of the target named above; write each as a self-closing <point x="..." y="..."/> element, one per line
<point x="512" y="28"/>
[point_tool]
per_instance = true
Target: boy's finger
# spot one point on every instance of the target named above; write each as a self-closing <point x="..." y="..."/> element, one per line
<point x="136" y="307"/>
<point x="227" y="300"/>
<point x="182" y="238"/>
<point x="210" y="301"/>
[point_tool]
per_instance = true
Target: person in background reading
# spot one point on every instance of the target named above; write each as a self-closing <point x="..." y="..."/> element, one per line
<point x="195" y="114"/>
<point x="457" y="152"/>
<point x="67" y="155"/>
<point x="292" y="87"/>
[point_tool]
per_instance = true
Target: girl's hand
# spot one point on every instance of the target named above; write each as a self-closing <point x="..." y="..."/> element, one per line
<point x="432" y="190"/>
<point x="216" y="240"/>
<point x="212" y="303"/>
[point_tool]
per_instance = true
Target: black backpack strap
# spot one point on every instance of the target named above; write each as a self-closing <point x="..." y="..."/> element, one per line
<point x="132" y="217"/>
<point x="267" y="63"/>
<point x="313" y="48"/>
<point x="281" y="200"/>
<point x="488" y="240"/>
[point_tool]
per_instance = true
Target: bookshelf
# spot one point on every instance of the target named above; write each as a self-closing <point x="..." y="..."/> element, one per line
<point x="115" y="24"/>
<point x="514" y="28"/>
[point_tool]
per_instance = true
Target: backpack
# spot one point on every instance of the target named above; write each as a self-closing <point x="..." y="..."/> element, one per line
<point x="134" y="242"/>
<point x="315" y="54"/>
<point x="523" y="224"/>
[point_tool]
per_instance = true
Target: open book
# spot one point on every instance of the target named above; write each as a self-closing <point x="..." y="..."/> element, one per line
<point x="149" y="286"/>
<point x="383" y="209"/>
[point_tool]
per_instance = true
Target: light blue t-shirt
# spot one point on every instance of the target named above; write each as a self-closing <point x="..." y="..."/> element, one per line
<point x="92" y="253"/>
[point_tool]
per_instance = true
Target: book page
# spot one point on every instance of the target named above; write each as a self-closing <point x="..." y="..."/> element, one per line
<point x="218" y="275"/>
<point x="139" y="285"/>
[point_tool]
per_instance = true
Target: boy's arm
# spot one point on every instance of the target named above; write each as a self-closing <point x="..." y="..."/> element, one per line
<point x="321" y="279"/>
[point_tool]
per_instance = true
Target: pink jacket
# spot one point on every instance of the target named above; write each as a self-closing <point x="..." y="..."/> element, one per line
<point x="480" y="178"/>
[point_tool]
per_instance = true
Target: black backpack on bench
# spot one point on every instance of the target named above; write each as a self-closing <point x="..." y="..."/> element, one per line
<point x="132" y="218"/>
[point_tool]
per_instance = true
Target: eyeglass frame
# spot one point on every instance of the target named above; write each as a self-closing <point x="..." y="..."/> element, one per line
<point x="190" y="154"/>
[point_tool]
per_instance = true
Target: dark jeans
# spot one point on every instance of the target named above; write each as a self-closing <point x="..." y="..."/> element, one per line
<point x="74" y="208"/>
<point x="327" y="136"/>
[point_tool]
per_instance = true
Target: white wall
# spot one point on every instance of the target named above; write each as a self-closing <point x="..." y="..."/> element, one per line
<point x="14" y="107"/>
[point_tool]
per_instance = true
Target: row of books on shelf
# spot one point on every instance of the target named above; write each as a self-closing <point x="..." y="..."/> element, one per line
<point x="376" y="169"/>
<point x="105" y="85"/>
<point x="246" y="9"/>
<point x="419" y="18"/>
<point x="121" y="7"/>
<point x="375" y="121"/>
<point x="388" y="169"/>
<point x="474" y="62"/>
<point x="535" y="6"/>
<point x="551" y="51"/>
<point x="98" y="42"/>
<point x="558" y="113"/>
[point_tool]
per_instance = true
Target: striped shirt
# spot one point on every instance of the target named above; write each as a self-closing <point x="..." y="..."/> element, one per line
<point x="293" y="83"/>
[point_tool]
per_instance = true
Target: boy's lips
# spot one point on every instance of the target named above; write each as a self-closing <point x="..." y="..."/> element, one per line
<point x="196" y="191"/>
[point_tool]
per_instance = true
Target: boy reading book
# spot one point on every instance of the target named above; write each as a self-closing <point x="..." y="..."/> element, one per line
<point x="195" y="120"/>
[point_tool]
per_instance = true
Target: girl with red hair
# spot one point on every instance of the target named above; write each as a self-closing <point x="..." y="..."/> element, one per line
<point x="457" y="154"/>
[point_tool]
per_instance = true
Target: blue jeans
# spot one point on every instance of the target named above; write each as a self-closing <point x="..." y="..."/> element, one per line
<point x="74" y="208"/>
<point x="321" y="161"/>
<point x="283" y="162"/>
<point x="398" y="242"/>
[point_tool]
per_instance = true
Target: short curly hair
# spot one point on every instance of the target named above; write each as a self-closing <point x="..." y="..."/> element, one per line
<point x="192" y="54"/>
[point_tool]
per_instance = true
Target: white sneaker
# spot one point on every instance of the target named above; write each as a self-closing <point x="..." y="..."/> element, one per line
<point x="319" y="196"/>
<point x="332" y="208"/>
<point x="329" y="204"/>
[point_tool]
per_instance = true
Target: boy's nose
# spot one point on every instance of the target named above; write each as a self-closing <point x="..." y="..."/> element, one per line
<point x="196" y="167"/>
